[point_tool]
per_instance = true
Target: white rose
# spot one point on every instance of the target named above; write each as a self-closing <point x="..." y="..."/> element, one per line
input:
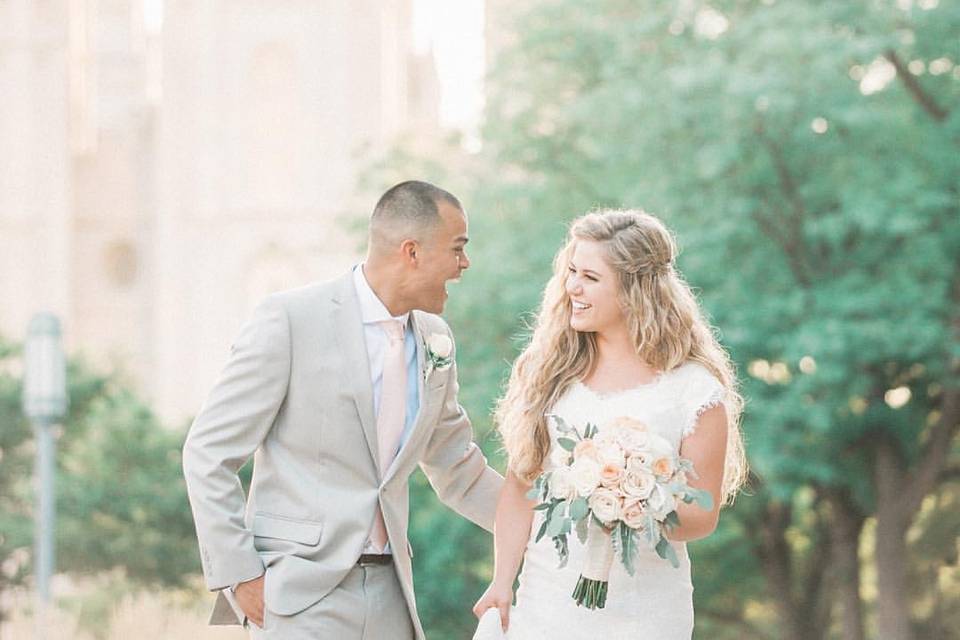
<point x="605" y="505"/>
<point x="585" y="475"/>
<point x="440" y="344"/>
<point x="560" y="457"/>
<point x="626" y="422"/>
<point x="629" y="433"/>
<point x="638" y="484"/>
<point x="610" y="453"/>
<point x="561" y="485"/>
<point x="633" y="513"/>
<point x="659" y="447"/>
<point x="638" y="461"/>
<point x="632" y="440"/>
<point x="585" y="448"/>
<point x="605" y="437"/>
<point x="661" y="502"/>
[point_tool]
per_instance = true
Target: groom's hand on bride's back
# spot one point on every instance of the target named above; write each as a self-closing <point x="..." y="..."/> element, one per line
<point x="249" y="596"/>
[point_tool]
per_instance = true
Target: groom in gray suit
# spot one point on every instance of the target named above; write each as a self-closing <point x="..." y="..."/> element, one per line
<point x="339" y="390"/>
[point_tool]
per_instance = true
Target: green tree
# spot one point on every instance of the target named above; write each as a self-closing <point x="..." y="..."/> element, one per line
<point x="121" y="500"/>
<point x="807" y="154"/>
<point x="811" y="176"/>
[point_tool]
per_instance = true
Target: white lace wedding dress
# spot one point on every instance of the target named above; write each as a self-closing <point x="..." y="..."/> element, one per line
<point x="656" y="603"/>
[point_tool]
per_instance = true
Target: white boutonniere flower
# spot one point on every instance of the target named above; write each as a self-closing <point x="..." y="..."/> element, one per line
<point x="438" y="348"/>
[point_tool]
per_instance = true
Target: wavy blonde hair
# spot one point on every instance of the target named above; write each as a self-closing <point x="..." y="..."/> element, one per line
<point x="667" y="325"/>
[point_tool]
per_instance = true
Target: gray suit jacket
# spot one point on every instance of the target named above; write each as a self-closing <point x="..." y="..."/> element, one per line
<point x="296" y="394"/>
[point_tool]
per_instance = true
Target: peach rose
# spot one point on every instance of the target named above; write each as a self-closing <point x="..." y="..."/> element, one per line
<point x="638" y="484"/>
<point x="664" y="467"/>
<point x="610" y="475"/>
<point x="633" y="513"/>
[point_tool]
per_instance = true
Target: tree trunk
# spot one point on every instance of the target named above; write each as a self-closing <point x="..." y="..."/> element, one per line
<point x="776" y="560"/>
<point x="893" y="602"/>
<point x="848" y="524"/>
<point x="814" y="599"/>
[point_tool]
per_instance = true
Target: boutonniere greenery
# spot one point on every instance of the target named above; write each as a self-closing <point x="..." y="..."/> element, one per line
<point x="438" y="348"/>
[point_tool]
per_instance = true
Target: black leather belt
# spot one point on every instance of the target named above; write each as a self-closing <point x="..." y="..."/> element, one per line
<point x="374" y="558"/>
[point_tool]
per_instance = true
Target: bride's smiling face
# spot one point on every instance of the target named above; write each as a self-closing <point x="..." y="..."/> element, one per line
<point x="593" y="287"/>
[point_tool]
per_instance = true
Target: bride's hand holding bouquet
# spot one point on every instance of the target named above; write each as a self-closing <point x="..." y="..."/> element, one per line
<point x="618" y="487"/>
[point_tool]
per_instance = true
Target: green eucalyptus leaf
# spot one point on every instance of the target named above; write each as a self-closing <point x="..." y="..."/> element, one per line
<point x="579" y="508"/>
<point x="582" y="530"/>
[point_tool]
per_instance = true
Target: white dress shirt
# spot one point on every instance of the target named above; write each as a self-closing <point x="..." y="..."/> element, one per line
<point x="372" y="311"/>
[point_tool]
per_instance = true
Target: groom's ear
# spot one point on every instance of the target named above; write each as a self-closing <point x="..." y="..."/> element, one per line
<point x="409" y="249"/>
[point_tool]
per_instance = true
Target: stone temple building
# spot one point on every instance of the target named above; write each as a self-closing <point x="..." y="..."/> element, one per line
<point x="164" y="164"/>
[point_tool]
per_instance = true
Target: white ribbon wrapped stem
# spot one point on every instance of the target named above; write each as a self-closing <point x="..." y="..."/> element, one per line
<point x="599" y="554"/>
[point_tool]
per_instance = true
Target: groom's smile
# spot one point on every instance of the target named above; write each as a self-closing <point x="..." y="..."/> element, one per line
<point x="444" y="258"/>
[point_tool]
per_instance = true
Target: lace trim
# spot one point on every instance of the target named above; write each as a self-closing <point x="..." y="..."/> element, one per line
<point x="606" y="395"/>
<point x="715" y="399"/>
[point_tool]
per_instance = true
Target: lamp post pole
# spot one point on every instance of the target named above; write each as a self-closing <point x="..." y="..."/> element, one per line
<point x="45" y="516"/>
<point x="45" y="404"/>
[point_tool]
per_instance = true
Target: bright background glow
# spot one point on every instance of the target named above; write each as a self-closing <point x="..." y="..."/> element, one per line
<point x="454" y="30"/>
<point x="455" y="33"/>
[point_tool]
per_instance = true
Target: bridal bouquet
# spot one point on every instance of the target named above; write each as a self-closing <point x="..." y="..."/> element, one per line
<point x="618" y="487"/>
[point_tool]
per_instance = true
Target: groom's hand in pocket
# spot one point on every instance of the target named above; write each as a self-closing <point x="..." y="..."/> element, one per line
<point x="249" y="596"/>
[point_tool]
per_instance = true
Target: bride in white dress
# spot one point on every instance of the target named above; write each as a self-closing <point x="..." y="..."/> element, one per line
<point x="619" y="333"/>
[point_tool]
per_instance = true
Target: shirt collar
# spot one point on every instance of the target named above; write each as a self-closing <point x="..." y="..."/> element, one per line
<point x="372" y="309"/>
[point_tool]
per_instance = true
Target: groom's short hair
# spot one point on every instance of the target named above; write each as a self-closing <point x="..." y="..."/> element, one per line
<point x="407" y="210"/>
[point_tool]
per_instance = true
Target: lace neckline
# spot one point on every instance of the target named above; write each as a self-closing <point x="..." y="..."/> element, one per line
<point x="604" y="395"/>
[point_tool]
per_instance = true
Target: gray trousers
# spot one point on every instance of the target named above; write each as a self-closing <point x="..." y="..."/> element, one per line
<point x="367" y="605"/>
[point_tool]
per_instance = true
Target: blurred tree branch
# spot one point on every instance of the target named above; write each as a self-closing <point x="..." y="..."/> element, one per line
<point x="924" y="99"/>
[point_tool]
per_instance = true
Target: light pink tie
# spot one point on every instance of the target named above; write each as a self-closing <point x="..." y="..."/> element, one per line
<point x="390" y="419"/>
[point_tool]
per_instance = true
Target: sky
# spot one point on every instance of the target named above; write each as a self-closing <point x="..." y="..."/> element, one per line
<point x="454" y="30"/>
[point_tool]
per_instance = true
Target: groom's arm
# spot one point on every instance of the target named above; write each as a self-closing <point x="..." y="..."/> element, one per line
<point x="455" y="465"/>
<point x="231" y="425"/>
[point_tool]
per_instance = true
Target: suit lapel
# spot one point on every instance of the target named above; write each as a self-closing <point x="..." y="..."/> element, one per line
<point x="356" y="372"/>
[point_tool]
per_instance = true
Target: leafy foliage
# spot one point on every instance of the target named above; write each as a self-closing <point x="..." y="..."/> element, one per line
<point x="810" y="176"/>
<point x="121" y="501"/>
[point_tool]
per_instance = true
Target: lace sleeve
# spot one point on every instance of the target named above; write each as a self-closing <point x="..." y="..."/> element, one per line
<point x="703" y="392"/>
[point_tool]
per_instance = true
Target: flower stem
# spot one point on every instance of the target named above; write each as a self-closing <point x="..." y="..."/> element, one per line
<point x="591" y="594"/>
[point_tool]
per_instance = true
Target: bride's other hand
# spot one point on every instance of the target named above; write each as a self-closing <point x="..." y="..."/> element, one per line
<point x="496" y="596"/>
<point x="511" y="531"/>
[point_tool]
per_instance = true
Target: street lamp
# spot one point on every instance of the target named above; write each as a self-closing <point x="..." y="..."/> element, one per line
<point x="45" y="404"/>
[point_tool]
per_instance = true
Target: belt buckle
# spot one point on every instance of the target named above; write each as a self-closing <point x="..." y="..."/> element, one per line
<point x="374" y="559"/>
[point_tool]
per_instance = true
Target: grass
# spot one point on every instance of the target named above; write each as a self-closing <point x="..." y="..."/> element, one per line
<point x="96" y="611"/>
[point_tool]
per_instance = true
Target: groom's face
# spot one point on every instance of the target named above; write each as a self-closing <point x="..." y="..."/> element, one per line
<point x="442" y="258"/>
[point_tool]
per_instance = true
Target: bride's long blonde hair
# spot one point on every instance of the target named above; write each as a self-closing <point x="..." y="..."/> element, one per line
<point x="666" y="323"/>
